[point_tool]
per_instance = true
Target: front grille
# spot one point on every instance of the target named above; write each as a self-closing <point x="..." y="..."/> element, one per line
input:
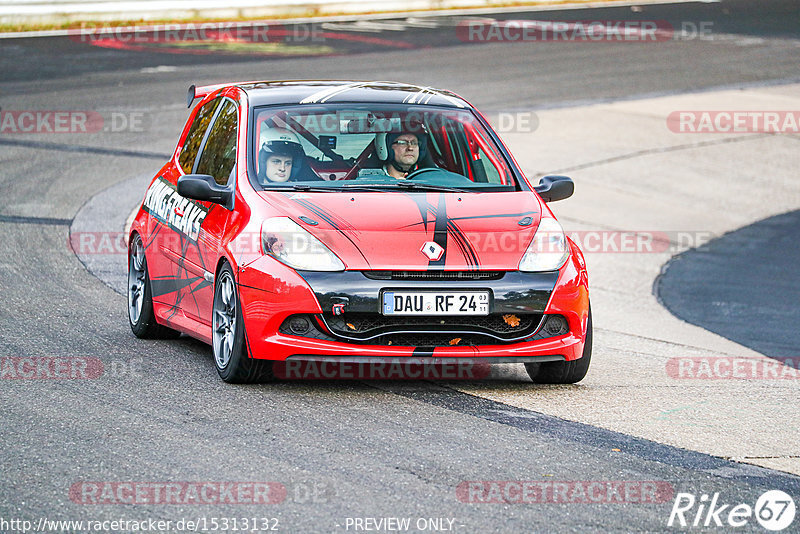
<point x="434" y="340"/>
<point x="434" y="276"/>
<point x="369" y="325"/>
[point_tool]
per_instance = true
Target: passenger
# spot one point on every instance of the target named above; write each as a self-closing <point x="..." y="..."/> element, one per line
<point x="281" y="156"/>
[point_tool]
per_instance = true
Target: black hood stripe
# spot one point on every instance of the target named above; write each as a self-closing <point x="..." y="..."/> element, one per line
<point x="464" y="245"/>
<point x="424" y="208"/>
<point x="440" y="234"/>
<point x="331" y="220"/>
<point x="444" y="227"/>
<point x="496" y="216"/>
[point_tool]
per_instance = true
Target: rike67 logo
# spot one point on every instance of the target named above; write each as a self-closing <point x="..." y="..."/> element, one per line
<point x="774" y="510"/>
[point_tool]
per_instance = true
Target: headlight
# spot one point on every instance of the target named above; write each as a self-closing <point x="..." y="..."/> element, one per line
<point x="289" y="243"/>
<point x="548" y="251"/>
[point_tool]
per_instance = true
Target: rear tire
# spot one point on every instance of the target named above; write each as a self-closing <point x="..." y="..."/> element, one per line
<point x="140" y="302"/>
<point x="229" y="339"/>
<point x="564" y="372"/>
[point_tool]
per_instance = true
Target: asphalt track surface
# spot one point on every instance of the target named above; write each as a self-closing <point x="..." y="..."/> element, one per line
<point x="160" y="414"/>
<point x="719" y="287"/>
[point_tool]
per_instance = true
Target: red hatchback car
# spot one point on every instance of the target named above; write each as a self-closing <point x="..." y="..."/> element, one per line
<point x="355" y="221"/>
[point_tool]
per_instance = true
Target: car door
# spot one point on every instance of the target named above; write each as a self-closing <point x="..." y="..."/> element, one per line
<point x="167" y="210"/>
<point x="197" y="254"/>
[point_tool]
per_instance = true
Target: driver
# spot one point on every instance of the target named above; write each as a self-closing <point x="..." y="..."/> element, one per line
<point x="401" y="153"/>
<point x="281" y="156"/>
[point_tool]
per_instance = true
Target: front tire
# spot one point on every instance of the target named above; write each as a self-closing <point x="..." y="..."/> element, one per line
<point x="140" y="297"/>
<point x="564" y="372"/>
<point x="231" y="358"/>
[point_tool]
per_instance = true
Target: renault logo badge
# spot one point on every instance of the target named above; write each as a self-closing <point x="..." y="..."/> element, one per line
<point x="432" y="250"/>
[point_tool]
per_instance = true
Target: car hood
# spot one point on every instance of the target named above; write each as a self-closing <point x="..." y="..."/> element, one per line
<point x="417" y="231"/>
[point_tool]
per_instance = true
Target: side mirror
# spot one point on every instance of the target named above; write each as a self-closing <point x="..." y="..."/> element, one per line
<point x="553" y="187"/>
<point x="204" y="187"/>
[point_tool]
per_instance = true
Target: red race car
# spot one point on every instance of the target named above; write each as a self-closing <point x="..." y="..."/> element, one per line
<point x="355" y="221"/>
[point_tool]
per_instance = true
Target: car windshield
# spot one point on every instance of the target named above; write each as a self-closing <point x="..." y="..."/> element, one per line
<point x="375" y="147"/>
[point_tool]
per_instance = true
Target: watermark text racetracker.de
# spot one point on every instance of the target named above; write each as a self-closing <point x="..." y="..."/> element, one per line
<point x="513" y="121"/>
<point x="733" y="368"/>
<point x="180" y="493"/>
<point x="384" y="369"/>
<point x="734" y="121"/>
<point x="589" y="241"/>
<point x="172" y="33"/>
<point x="200" y="492"/>
<point x="517" y="242"/>
<point x="564" y="491"/>
<point x="580" y="31"/>
<point x="67" y="368"/>
<point x="33" y="121"/>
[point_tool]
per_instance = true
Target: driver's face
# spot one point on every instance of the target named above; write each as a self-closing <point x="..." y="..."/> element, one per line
<point x="279" y="168"/>
<point x="407" y="151"/>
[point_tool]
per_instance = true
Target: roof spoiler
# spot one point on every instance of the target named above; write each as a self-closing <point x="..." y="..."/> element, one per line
<point x="203" y="90"/>
<point x="200" y="92"/>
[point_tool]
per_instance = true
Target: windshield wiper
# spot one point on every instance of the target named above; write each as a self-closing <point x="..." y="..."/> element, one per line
<point x="431" y="187"/>
<point x="400" y="184"/>
<point x="332" y="189"/>
<point x="298" y="187"/>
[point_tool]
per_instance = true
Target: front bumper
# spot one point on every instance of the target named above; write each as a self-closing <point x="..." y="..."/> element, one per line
<point x="271" y="293"/>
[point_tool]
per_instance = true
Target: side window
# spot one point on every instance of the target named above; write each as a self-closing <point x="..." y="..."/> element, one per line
<point x="195" y="136"/>
<point x="492" y="174"/>
<point x="458" y="146"/>
<point x="219" y="153"/>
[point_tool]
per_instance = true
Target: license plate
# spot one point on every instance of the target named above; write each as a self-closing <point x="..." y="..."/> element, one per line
<point x="435" y="303"/>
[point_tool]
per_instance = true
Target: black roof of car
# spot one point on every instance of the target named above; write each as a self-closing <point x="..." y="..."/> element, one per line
<point x="323" y="92"/>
